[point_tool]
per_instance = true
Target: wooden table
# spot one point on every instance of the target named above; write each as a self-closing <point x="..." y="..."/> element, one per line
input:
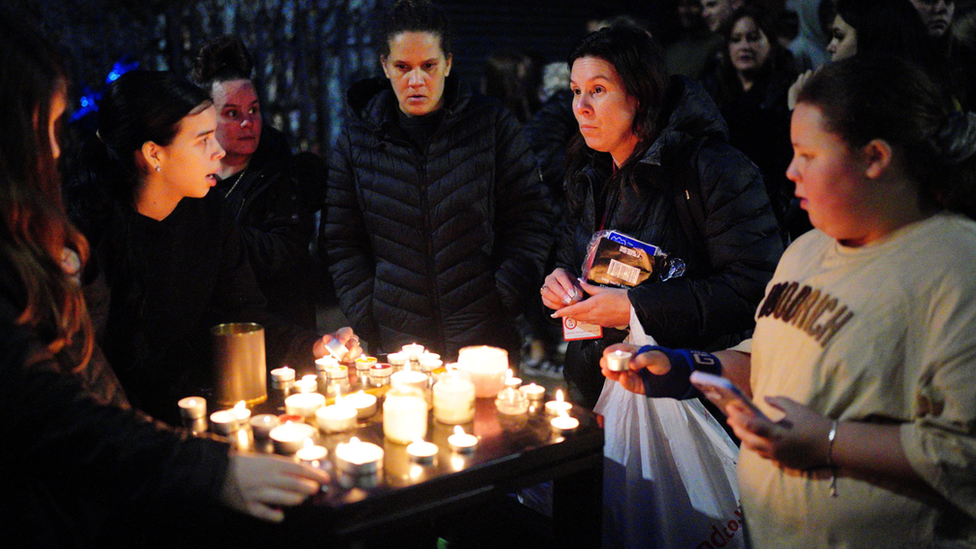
<point x="514" y="452"/>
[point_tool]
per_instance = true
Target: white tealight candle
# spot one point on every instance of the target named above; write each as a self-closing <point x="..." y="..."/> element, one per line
<point x="308" y="384"/>
<point x="337" y="349"/>
<point x="311" y="453"/>
<point x="326" y="363"/>
<point x="193" y="408"/>
<point x="558" y="406"/>
<point x="421" y="451"/>
<point x="304" y="404"/>
<point x="224" y="422"/>
<point x="289" y="438"/>
<point x="512" y="381"/>
<point x="358" y="458"/>
<point x="243" y="414"/>
<point x="413" y="350"/>
<point x="409" y="378"/>
<point x="336" y="418"/>
<point x="337" y="373"/>
<point x="262" y="424"/>
<point x="618" y="360"/>
<point x="283" y="376"/>
<point x="533" y="392"/>
<point x="363" y="402"/>
<point x="462" y="442"/>
<point x="564" y="423"/>
<point x="397" y="360"/>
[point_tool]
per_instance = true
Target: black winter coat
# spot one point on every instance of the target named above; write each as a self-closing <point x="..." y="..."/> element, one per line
<point x="155" y="288"/>
<point x="443" y="245"/>
<point x="75" y="457"/>
<point x="726" y="274"/>
<point x="274" y="200"/>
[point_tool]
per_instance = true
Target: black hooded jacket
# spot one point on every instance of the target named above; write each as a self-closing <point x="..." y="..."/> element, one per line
<point x="439" y="244"/>
<point x="726" y="273"/>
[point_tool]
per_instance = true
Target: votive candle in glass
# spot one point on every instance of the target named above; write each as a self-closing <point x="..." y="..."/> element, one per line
<point x="404" y="414"/>
<point x="453" y="399"/>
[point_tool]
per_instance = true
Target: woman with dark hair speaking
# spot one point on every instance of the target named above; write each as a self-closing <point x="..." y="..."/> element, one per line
<point x="74" y="454"/>
<point x="170" y="252"/>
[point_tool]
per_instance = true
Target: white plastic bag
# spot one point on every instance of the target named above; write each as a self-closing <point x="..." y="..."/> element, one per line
<point x="669" y="471"/>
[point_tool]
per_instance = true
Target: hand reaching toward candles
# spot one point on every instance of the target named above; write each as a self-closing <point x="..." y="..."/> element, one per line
<point x="346" y="337"/>
<point x="258" y="484"/>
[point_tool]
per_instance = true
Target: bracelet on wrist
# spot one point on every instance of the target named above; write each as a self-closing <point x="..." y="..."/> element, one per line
<point x="831" y="436"/>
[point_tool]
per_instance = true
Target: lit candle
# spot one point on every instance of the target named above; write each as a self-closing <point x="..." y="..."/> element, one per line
<point x="533" y="392"/>
<point x="336" y="418"/>
<point x="311" y="453"/>
<point x="289" y="438"/>
<point x="326" y="363"/>
<point x="462" y="442"/>
<point x="413" y="350"/>
<point x="283" y="377"/>
<point x="308" y="384"/>
<point x="486" y="367"/>
<point x="421" y="451"/>
<point x="397" y="360"/>
<point x="365" y="362"/>
<point x="381" y="372"/>
<point x="453" y="400"/>
<point x="404" y="415"/>
<point x="556" y="407"/>
<point x="363" y="402"/>
<point x="243" y="414"/>
<point x="511" y="380"/>
<point x="304" y="404"/>
<point x="618" y="360"/>
<point x="564" y="423"/>
<point x="192" y="408"/>
<point x="409" y="378"/>
<point x="358" y="458"/>
<point x="337" y="373"/>
<point x="511" y="402"/>
<point x="224" y="422"/>
<point x="262" y="425"/>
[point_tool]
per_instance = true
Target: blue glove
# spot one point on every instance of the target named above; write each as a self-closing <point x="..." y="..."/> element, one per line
<point x="675" y="384"/>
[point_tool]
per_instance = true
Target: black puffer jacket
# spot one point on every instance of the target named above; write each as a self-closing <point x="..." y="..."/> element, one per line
<point x="727" y="273"/>
<point x="274" y="200"/>
<point x="440" y="246"/>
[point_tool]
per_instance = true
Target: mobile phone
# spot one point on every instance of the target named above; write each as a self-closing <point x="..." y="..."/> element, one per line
<point x="721" y="391"/>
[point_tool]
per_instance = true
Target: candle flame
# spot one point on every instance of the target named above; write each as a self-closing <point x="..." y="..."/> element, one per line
<point x="458" y="430"/>
<point x="241" y="405"/>
<point x="308" y="443"/>
<point x="353" y="440"/>
<point x="559" y="395"/>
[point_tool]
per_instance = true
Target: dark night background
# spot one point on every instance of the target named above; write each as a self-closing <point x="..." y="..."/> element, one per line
<point x="306" y="51"/>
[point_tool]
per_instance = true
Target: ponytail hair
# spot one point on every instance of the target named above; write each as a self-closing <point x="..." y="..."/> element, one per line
<point x="222" y="59"/>
<point x="885" y="97"/>
<point x="416" y="16"/>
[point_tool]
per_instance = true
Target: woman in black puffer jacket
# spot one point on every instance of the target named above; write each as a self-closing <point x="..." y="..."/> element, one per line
<point x="437" y="223"/>
<point x="667" y="151"/>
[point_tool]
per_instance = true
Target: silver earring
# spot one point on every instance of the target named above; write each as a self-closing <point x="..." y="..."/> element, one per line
<point x="159" y="168"/>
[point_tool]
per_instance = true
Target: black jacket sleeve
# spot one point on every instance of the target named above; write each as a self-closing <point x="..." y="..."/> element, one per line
<point x="743" y="246"/>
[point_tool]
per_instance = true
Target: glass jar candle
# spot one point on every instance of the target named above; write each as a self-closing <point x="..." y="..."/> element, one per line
<point x="404" y="415"/>
<point x="454" y="400"/>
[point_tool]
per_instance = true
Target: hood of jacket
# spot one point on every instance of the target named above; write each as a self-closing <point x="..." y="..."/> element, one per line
<point x="372" y="101"/>
<point x="691" y="113"/>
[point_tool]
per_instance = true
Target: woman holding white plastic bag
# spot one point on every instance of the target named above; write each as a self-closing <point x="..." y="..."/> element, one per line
<point x="646" y="140"/>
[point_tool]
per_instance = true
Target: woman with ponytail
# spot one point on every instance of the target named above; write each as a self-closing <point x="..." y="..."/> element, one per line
<point x="168" y="252"/>
<point x="74" y="453"/>
<point x="864" y="352"/>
